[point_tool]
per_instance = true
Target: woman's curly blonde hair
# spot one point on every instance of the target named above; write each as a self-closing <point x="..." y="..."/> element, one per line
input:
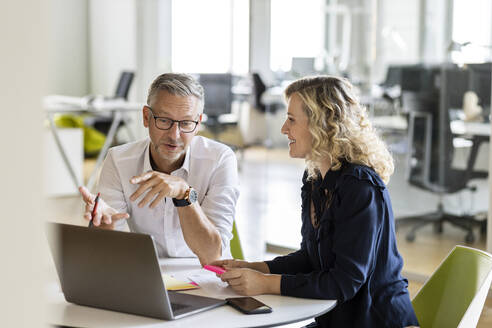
<point x="339" y="126"/>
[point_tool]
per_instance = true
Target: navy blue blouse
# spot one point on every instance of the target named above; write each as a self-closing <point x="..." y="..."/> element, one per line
<point x="352" y="255"/>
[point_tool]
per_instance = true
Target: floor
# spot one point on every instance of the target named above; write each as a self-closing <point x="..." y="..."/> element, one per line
<point x="268" y="215"/>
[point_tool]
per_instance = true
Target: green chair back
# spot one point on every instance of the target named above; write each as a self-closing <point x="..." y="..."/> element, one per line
<point x="446" y="296"/>
<point x="93" y="139"/>
<point x="236" y="249"/>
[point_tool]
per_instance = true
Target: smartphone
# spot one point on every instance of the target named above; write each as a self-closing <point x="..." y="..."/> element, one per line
<point x="248" y="305"/>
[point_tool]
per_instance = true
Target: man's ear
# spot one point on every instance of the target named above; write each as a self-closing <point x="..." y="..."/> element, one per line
<point x="145" y="113"/>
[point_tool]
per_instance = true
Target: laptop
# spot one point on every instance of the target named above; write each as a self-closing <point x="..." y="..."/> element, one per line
<point x="118" y="271"/>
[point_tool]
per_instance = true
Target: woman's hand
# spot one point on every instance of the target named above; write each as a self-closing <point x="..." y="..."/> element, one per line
<point x="250" y="282"/>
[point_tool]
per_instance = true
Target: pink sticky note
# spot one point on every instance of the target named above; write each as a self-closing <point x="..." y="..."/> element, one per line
<point x="214" y="268"/>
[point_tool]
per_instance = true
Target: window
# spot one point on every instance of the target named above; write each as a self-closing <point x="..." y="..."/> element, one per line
<point x="472" y="28"/>
<point x="296" y="31"/>
<point x="210" y="36"/>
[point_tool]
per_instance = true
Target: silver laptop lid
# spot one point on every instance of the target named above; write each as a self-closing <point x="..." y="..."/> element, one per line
<point x="117" y="271"/>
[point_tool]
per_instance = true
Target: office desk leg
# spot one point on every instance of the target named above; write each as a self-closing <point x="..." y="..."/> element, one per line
<point x="117" y="117"/>
<point x="127" y="122"/>
<point x="64" y="156"/>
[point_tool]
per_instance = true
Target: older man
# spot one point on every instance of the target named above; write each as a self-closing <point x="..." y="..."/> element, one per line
<point x="180" y="188"/>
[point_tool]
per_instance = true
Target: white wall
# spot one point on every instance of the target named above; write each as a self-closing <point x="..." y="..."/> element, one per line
<point x="23" y="57"/>
<point x="113" y="46"/>
<point x="67" y="41"/>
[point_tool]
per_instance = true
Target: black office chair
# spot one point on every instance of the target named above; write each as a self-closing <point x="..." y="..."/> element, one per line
<point x="218" y="101"/>
<point x="218" y="107"/>
<point x="103" y="123"/>
<point x="218" y="97"/>
<point x="259" y="88"/>
<point x="124" y="84"/>
<point x="431" y="151"/>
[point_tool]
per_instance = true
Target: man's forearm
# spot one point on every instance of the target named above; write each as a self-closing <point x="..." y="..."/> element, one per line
<point x="259" y="266"/>
<point x="200" y="234"/>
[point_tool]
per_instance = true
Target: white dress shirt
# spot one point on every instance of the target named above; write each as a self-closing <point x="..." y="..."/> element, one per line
<point x="209" y="167"/>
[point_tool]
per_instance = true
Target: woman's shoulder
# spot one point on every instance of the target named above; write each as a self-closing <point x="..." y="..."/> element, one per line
<point x="347" y="176"/>
<point x="357" y="174"/>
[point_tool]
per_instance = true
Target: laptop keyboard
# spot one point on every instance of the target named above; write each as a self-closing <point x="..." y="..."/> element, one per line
<point x="178" y="306"/>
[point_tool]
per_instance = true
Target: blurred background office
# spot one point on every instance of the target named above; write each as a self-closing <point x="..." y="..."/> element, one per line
<point x="422" y="68"/>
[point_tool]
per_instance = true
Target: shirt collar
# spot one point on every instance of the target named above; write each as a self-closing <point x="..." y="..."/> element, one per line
<point x="148" y="167"/>
<point x="186" y="162"/>
<point x="329" y="181"/>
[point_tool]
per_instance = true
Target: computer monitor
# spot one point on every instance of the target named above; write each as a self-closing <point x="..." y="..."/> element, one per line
<point x="457" y="83"/>
<point x="480" y="80"/>
<point x="419" y="78"/>
<point x="393" y="76"/>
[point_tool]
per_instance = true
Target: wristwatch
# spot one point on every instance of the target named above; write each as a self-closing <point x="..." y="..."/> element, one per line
<point x="190" y="197"/>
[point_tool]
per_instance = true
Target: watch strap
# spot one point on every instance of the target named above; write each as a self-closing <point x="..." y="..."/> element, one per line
<point x="181" y="202"/>
<point x="186" y="200"/>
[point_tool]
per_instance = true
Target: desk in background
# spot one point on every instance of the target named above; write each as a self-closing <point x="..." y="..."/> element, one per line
<point x="285" y="309"/>
<point x="75" y="105"/>
<point x="458" y="127"/>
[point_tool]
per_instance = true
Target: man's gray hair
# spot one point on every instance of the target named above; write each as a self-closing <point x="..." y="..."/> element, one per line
<point x="177" y="84"/>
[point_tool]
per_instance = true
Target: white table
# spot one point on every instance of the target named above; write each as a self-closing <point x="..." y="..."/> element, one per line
<point x="395" y="122"/>
<point x="471" y="128"/>
<point x="63" y="104"/>
<point x="390" y="122"/>
<point x="285" y="309"/>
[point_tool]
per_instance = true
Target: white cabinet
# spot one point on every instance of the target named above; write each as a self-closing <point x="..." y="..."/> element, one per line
<point x="57" y="180"/>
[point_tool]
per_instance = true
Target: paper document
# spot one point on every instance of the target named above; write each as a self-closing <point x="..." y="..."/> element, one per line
<point x="172" y="283"/>
<point x="212" y="285"/>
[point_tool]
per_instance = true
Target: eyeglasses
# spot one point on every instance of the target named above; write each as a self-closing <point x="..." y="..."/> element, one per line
<point x="165" y="123"/>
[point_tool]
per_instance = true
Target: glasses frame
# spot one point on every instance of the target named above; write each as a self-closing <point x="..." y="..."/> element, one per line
<point x="172" y="122"/>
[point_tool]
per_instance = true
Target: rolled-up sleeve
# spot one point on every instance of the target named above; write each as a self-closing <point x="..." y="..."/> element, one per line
<point x="357" y="226"/>
<point x="219" y="203"/>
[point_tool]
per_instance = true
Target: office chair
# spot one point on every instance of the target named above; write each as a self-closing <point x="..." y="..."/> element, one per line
<point x="236" y="249"/>
<point x="218" y="97"/>
<point x="269" y="110"/>
<point x="103" y="123"/>
<point x="431" y="149"/>
<point x="455" y="293"/>
<point x="259" y="88"/>
<point x="124" y="85"/>
<point x="221" y="123"/>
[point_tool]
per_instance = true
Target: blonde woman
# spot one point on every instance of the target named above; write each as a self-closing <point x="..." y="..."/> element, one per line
<point x="348" y="250"/>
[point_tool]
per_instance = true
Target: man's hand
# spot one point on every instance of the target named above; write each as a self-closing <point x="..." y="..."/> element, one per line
<point x="251" y="282"/>
<point x="105" y="216"/>
<point x="230" y="264"/>
<point x="157" y="185"/>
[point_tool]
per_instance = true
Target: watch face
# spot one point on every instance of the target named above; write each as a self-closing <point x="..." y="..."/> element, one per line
<point x="193" y="195"/>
